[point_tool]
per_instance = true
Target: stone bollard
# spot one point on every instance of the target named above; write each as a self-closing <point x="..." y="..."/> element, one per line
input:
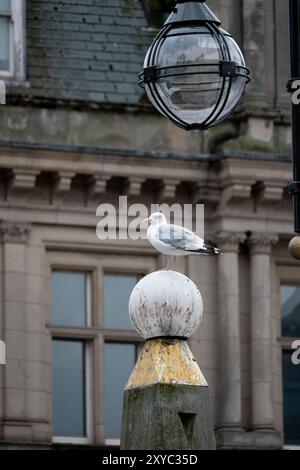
<point x="166" y="400"/>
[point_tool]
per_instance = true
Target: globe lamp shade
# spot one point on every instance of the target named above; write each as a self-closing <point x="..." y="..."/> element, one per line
<point x="194" y="72"/>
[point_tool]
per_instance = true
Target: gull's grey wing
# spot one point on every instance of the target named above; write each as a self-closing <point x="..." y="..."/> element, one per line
<point x="179" y="237"/>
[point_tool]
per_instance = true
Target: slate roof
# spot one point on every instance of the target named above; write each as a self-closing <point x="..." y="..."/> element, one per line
<point x="89" y="50"/>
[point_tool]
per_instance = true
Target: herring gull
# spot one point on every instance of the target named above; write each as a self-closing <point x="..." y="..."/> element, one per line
<point x="173" y="240"/>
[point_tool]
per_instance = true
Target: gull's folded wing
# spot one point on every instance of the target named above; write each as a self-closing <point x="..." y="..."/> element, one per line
<point x="179" y="237"/>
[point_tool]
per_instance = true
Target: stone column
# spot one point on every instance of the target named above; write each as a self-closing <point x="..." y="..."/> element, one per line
<point x="261" y="331"/>
<point x="13" y="238"/>
<point x="2" y="339"/>
<point x="230" y="414"/>
<point x="254" y="49"/>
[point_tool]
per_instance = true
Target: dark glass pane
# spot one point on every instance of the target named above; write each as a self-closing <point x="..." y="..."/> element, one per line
<point x="69" y="298"/>
<point x="68" y="382"/>
<point x="119" y="363"/>
<point x="117" y="290"/>
<point x="291" y="399"/>
<point x="4" y="43"/>
<point x="290" y="311"/>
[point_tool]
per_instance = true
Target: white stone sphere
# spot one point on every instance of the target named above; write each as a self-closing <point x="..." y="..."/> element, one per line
<point x="165" y="303"/>
<point x="294" y="247"/>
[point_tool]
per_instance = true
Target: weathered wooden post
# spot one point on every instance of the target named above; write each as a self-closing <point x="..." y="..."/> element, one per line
<point x="166" y="400"/>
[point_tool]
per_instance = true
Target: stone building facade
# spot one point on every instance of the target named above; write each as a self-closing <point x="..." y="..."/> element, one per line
<point x="77" y="131"/>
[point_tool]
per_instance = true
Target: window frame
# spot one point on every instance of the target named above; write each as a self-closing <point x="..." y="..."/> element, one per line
<point x="17" y="41"/>
<point x="138" y="345"/>
<point x="88" y="397"/>
<point x="88" y="298"/>
<point x="287" y="275"/>
<point x="95" y="335"/>
<point x="114" y="335"/>
<point x="66" y="333"/>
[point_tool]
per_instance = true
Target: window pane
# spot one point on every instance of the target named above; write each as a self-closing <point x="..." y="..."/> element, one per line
<point x="4" y="43"/>
<point x="119" y="363"/>
<point x="117" y="290"/>
<point x="290" y="311"/>
<point x="68" y="381"/>
<point x="291" y="399"/>
<point x="5" y="6"/>
<point x="69" y="298"/>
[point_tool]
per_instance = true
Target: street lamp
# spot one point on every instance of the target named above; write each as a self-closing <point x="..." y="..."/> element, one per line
<point x="194" y="72"/>
<point x="293" y="87"/>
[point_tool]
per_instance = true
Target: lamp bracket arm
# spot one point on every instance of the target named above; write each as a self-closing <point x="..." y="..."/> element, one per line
<point x="150" y="74"/>
<point x="228" y="68"/>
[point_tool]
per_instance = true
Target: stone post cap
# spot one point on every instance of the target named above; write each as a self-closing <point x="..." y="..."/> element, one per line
<point x="165" y="304"/>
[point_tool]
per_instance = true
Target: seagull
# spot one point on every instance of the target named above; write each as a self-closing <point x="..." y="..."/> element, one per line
<point x="173" y="240"/>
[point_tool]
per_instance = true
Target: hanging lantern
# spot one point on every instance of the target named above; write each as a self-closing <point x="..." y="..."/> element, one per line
<point x="194" y="72"/>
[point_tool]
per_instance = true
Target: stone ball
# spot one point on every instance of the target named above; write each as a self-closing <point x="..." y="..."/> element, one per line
<point x="294" y="247"/>
<point x="165" y="303"/>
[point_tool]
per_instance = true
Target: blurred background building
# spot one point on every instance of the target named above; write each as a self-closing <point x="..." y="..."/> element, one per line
<point x="77" y="131"/>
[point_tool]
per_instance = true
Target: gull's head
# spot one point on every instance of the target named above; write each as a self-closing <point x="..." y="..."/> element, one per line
<point x="156" y="218"/>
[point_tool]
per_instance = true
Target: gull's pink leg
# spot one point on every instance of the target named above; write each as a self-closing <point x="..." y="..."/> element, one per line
<point x="175" y="259"/>
<point x="168" y="263"/>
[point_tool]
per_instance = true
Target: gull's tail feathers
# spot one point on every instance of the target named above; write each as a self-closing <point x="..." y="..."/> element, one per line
<point x="207" y="250"/>
<point x="213" y="250"/>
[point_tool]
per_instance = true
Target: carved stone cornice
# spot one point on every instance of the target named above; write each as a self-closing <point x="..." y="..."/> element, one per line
<point x="261" y="243"/>
<point x="14" y="232"/>
<point x="167" y="189"/>
<point x="61" y="186"/>
<point x="63" y="182"/>
<point x="234" y="194"/>
<point x="228" y="242"/>
<point x="97" y="185"/>
<point x="268" y="194"/>
<point x="24" y="179"/>
<point x="134" y="185"/>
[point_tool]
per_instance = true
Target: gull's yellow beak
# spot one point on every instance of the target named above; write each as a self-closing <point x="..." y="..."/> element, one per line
<point x="146" y="220"/>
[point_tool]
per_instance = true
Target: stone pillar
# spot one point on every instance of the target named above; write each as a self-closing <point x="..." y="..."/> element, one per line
<point x="2" y="339"/>
<point x="258" y="49"/>
<point x="230" y="414"/>
<point x="254" y="49"/>
<point x="26" y="392"/>
<point x="166" y="400"/>
<point x="261" y="332"/>
<point x="14" y="238"/>
<point x="39" y="344"/>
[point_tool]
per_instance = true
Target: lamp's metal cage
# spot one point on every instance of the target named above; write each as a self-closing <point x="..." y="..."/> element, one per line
<point x="225" y="78"/>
